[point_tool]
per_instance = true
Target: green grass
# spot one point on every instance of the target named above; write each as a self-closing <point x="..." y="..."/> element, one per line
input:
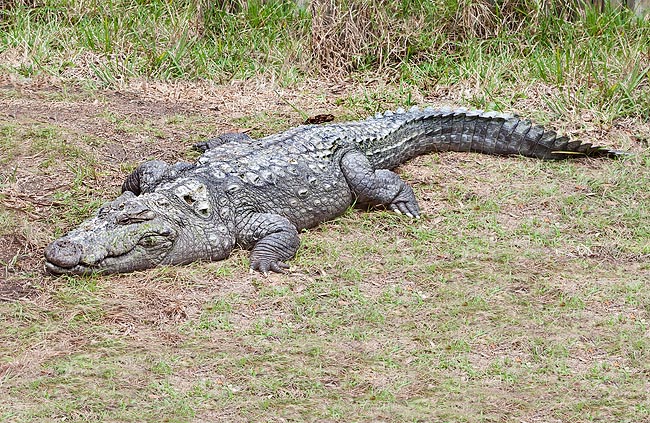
<point x="115" y="41"/>
<point x="588" y="60"/>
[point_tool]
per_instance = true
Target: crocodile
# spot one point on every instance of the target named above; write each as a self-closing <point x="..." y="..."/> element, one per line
<point x="258" y="194"/>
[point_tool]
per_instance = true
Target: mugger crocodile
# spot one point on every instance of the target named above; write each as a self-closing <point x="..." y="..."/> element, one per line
<point x="258" y="194"/>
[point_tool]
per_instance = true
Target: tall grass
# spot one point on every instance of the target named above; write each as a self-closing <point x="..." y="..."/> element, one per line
<point x="112" y="41"/>
<point x="593" y="59"/>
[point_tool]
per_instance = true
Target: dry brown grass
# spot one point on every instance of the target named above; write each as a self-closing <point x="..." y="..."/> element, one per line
<point x="352" y="35"/>
<point x="358" y="34"/>
<point x="476" y="18"/>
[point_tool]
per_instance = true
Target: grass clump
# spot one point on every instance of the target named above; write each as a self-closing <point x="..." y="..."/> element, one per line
<point x="582" y="57"/>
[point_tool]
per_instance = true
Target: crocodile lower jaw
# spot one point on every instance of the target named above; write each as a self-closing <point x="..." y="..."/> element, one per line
<point x="76" y="270"/>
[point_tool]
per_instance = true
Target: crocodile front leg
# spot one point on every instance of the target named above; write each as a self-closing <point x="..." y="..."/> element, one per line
<point x="221" y="140"/>
<point x="149" y="174"/>
<point x="274" y="239"/>
<point x="378" y="187"/>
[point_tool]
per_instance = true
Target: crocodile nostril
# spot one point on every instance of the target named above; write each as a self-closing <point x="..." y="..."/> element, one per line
<point x="63" y="253"/>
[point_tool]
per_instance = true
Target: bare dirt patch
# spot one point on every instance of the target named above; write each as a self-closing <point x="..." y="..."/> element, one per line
<point x="16" y="257"/>
<point x="11" y="290"/>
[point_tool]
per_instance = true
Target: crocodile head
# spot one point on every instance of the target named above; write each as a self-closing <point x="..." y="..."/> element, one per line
<point x="133" y="233"/>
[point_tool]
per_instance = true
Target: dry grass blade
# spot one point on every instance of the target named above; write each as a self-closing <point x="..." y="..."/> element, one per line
<point x="476" y="18"/>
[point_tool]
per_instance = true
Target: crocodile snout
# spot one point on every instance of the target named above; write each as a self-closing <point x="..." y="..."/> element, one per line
<point x="63" y="253"/>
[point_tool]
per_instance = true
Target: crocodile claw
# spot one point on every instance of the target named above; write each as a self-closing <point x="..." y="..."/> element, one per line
<point x="263" y="266"/>
<point x="406" y="208"/>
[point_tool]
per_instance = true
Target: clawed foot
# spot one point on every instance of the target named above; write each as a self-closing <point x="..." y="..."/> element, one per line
<point x="405" y="203"/>
<point x="276" y="240"/>
<point x="408" y="209"/>
<point x="263" y="266"/>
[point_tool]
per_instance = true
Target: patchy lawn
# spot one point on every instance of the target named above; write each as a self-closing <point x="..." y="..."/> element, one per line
<point x="521" y="295"/>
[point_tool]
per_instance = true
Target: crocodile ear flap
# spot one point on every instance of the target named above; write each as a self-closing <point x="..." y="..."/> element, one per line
<point x="127" y="195"/>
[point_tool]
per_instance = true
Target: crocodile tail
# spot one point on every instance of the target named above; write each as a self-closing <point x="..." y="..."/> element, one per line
<point x="494" y="133"/>
<point x="506" y="134"/>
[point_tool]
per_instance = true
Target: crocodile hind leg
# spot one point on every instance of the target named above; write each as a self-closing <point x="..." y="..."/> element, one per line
<point x="274" y="240"/>
<point x="378" y="187"/>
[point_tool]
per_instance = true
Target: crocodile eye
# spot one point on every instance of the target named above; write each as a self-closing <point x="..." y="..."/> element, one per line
<point x="152" y="240"/>
<point x="104" y="209"/>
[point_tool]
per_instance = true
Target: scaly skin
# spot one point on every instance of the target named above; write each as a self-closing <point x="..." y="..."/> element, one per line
<point x="258" y="194"/>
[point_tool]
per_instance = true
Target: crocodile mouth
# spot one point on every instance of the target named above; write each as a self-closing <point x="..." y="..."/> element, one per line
<point x="64" y="256"/>
<point x="76" y="270"/>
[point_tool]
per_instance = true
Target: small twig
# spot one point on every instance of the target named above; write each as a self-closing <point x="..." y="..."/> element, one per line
<point x="39" y="200"/>
<point x="22" y="210"/>
<point x="288" y="103"/>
